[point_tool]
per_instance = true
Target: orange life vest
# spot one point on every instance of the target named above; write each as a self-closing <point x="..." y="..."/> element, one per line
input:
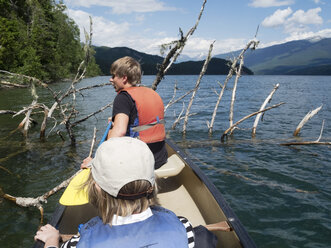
<point x="150" y="114"/>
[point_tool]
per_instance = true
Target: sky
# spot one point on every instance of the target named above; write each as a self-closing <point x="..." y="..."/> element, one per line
<point x="144" y="25"/>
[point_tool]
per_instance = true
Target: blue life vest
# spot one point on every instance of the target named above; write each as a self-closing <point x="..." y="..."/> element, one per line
<point x="162" y="229"/>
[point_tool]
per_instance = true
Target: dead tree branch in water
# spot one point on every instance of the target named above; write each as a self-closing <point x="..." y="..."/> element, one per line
<point x="230" y="129"/>
<point x="172" y="101"/>
<point x="266" y="101"/>
<point x="6" y="84"/>
<point x="233" y="69"/>
<point x="38" y="201"/>
<point x="66" y="108"/>
<point x="316" y="142"/>
<point x="238" y="71"/>
<point x="203" y="71"/>
<point x="308" y="116"/>
<point x="175" y="51"/>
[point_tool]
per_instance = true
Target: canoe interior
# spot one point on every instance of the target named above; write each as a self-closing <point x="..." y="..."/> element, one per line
<point x="189" y="194"/>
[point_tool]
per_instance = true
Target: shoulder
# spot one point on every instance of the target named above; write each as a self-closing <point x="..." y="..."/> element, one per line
<point x="159" y="209"/>
<point x="122" y="95"/>
<point x="91" y="223"/>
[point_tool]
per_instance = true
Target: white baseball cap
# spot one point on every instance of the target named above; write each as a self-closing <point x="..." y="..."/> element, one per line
<point x="122" y="160"/>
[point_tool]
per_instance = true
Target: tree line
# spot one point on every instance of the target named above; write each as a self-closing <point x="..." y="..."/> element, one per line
<point x="38" y="39"/>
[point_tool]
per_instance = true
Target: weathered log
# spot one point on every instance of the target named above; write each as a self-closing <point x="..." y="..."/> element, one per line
<point x="305" y="143"/>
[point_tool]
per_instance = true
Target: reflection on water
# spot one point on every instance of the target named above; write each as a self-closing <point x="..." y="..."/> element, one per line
<point x="282" y="195"/>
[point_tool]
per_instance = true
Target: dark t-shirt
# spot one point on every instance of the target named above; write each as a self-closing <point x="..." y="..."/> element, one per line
<point x="123" y="103"/>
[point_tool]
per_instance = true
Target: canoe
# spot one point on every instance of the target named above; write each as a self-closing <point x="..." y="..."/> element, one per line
<point x="185" y="190"/>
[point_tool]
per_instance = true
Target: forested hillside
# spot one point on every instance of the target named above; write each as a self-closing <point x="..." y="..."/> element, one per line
<point x="38" y="39"/>
<point x="105" y="56"/>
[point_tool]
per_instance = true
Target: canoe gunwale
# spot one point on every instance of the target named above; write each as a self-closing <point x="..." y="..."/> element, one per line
<point x="236" y="225"/>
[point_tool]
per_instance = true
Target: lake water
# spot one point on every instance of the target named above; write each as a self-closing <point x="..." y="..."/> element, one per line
<point x="282" y="195"/>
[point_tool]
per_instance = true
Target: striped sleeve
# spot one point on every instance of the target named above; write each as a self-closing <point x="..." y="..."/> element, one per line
<point x="71" y="243"/>
<point x="189" y="231"/>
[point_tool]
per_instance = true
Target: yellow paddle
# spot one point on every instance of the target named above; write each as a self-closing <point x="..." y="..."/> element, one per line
<point x="74" y="194"/>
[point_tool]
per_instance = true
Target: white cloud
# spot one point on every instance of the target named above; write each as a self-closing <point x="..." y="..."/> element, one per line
<point x="105" y="32"/>
<point x="270" y="3"/>
<point x="299" y="21"/>
<point x="309" y="17"/>
<point x="199" y="47"/>
<point x="278" y="18"/>
<point x="123" y="6"/>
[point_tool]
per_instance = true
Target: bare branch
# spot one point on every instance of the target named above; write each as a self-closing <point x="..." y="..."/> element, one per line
<point x="308" y="116"/>
<point x="178" y="118"/>
<point x="93" y="141"/>
<point x="180" y="98"/>
<point x="92" y="114"/>
<point x="316" y="142"/>
<point x="38" y="201"/>
<point x="238" y="74"/>
<point x="319" y="138"/>
<point x="246" y="117"/>
<point x="203" y="71"/>
<point x="175" y="51"/>
<point x="252" y="44"/>
<point x="258" y="116"/>
<point x="173" y="97"/>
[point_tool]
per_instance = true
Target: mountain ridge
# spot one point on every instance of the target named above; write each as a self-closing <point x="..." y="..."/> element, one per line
<point x="105" y="56"/>
<point x="301" y="57"/>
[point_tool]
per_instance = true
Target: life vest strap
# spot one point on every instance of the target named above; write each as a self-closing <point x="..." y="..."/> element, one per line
<point x="147" y="126"/>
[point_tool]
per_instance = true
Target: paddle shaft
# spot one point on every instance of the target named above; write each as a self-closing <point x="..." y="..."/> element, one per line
<point x="104" y="137"/>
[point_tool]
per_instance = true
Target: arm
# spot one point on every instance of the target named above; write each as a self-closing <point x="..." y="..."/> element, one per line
<point x="120" y="125"/>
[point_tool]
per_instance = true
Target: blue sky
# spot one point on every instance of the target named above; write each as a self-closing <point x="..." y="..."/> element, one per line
<point x="146" y="24"/>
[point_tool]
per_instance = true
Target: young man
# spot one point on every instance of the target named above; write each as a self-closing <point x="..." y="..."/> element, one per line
<point x="137" y="111"/>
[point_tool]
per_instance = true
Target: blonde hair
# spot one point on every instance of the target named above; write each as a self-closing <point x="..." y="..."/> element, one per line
<point x="108" y="205"/>
<point x="127" y="66"/>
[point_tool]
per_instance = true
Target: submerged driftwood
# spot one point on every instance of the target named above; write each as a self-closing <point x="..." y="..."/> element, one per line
<point x="230" y="129"/>
<point x="266" y="101"/>
<point x="234" y="69"/>
<point x="38" y="201"/>
<point x="308" y="116"/>
<point x="316" y="142"/>
<point x="203" y="71"/>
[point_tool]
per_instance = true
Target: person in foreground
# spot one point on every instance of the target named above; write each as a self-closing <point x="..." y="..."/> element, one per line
<point x="138" y="111"/>
<point x="122" y="187"/>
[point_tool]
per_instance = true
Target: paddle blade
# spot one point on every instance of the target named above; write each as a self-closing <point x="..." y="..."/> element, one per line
<point x="73" y="194"/>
